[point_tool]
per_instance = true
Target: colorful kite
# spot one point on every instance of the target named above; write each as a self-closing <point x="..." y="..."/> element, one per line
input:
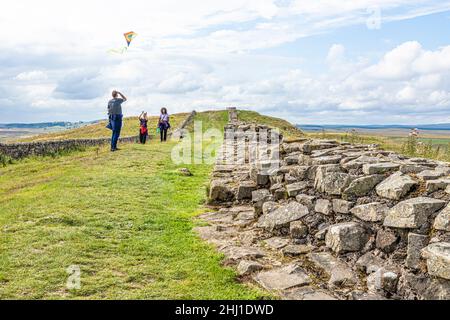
<point x="129" y="36"/>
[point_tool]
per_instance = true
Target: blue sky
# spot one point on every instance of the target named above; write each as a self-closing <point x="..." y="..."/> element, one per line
<point x="316" y="62"/>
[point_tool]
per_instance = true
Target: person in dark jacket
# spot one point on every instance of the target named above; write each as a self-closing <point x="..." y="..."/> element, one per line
<point x="163" y="124"/>
<point x="143" y="130"/>
<point x="115" y="117"/>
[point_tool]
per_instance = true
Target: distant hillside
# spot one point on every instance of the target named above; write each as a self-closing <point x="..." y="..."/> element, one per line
<point x="42" y="125"/>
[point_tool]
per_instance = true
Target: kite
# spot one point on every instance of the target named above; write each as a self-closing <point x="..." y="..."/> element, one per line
<point x="129" y="36"/>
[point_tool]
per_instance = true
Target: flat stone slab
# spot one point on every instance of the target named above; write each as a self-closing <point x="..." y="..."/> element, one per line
<point x="307" y="293"/>
<point x="235" y="253"/>
<point x="412" y="213"/>
<point x="378" y="168"/>
<point x="396" y="186"/>
<point x="340" y="274"/>
<point x="372" y="212"/>
<point x="283" y="278"/>
<point x="442" y="221"/>
<point x="277" y="242"/>
<point x="294" y="250"/>
<point x="283" y="215"/>
<point x="363" y="185"/>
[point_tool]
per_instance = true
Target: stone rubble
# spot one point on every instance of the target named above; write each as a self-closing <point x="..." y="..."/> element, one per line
<point x="330" y="220"/>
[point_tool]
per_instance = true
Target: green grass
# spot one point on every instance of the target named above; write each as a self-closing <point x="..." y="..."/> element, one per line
<point x="125" y="218"/>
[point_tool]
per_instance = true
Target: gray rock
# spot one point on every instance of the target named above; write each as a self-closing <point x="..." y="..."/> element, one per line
<point x="235" y="253"/>
<point x="379" y="168"/>
<point x="259" y="197"/>
<point x="364" y="185"/>
<point x="396" y="186"/>
<point x="306" y="200"/>
<point x="283" y="278"/>
<point x="431" y="174"/>
<point x="220" y="191"/>
<point x="412" y="213"/>
<point x="333" y="183"/>
<point x="245" y="190"/>
<point x="326" y="160"/>
<point x="438" y="259"/>
<point x="269" y="206"/>
<point x="386" y="240"/>
<point x="323" y="206"/>
<point x="416" y="242"/>
<point x="307" y="293"/>
<point x="298" y="230"/>
<point x="259" y="177"/>
<point x="282" y="216"/>
<point x="442" y="221"/>
<point x="382" y="280"/>
<point x="340" y="274"/>
<point x="345" y="237"/>
<point x="359" y="162"/>
<point x="412" y="168"/>
<point x="294" y="250"/>
<point x="438" y="184"/>
<point x="246" y="267"/>
<point x="290" y="160"/>
<point x="296" y="188"/>
<point x="372" y="212"/>
<point x="277" y="242"/>
<point x="299" y="172"/>
<point x="369" y="263"/>
<point x="342" y="206"/>
<point x="320" y="235"/>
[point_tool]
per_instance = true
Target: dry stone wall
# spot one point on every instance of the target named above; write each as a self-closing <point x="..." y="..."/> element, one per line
<point x="332" y="220"/>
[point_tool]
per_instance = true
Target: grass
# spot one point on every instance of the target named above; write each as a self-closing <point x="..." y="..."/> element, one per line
<point x="287" y="129"/>
<point x="124" y="218"/>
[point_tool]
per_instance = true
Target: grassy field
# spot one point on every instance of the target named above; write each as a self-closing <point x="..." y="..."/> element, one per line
<point x="124" y="218"/>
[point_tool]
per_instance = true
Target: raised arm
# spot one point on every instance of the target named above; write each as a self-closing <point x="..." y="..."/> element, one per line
<point x="123" y="97"/>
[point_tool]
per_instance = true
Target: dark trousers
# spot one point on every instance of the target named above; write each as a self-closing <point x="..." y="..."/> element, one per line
<point x="142" y="138"/>
<point x="116" y="123"/>
<point x="163" y="133"/>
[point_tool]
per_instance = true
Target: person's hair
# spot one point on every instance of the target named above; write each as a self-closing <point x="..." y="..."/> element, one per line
<point x="163" y="111"/>
<point x="114" y="93"/>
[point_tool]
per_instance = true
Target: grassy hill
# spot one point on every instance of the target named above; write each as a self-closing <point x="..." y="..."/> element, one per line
<point x="124" y="218"/>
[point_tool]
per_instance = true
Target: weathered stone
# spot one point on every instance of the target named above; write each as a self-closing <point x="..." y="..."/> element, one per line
<point x="246" y="267"/>
<point x="306" y="200"/>
<point x="259" y="177"/>
<point x="280" y="193"/>
<point x="386" y="240"/>
<point x="323" y="206"/>
<point x="342" y="206"/>
<point x="412" y="213"/>
<point x="338" y="271"/>
<point x="412" y="168"/>
<point x="416" y="242"/>
<point x="438" y="184"/>
<point x="347" y="236"/>
<point x="326" y="160"/>
<point x="245" y="190"/>
<point x="259" y="197"/>
<point x="294" y="250"/>
<point x="431" y="174"/>
<point x="277" y="242"/>
<point x="220" y="191"/>
<point x="442" y="221"/>
<point x="396" y="186"/>
<point x="296" y="188"/>
<point x="299" y="172"/>
<point x="438" y="259"/>
<point x="283" y="278"/>
<point x="362" y="186"/>
<point x="290" y="160"/>
<point x="283" y="215"/>
<point x="369" y="262"/>
<point x="307" y="293"/>
<point x="373" y="212"/>
<point x="298" y="230"/>
<point x="320" y="235"/>
<point x="332" y="183"/>
<point x="235" y="253"/>
<point x="269" y="206"/>
<point x="359" y="162"/>
<point x="379" y="168"/>
<point x="382" y="280"/>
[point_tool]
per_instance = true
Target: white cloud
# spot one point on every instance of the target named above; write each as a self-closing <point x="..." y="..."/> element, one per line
<point x="34" y="75"/>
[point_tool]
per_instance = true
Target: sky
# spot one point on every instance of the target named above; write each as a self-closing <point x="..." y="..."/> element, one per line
<point x="310" y="62"/>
